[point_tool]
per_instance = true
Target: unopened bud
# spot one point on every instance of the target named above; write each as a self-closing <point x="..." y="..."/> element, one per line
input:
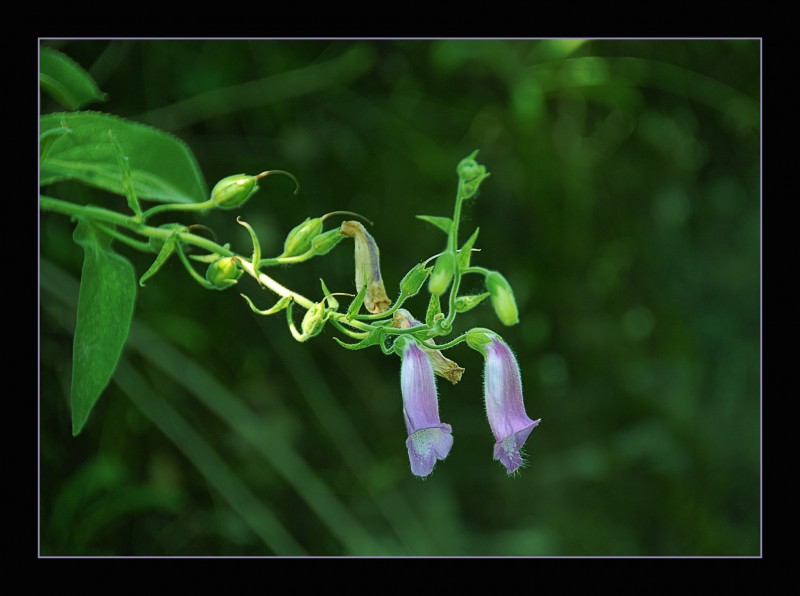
<point x="298" y="241"/>
<point x="314" y="320"/>
<point x="414" y="279"/>
<point x="443" y="272"/>
<point x="223" y="273"/>
<point x="232" y="192"/>
<point x="324" y="243"/>
<point x="502" y="297"/>
<point x="471" y="174"/>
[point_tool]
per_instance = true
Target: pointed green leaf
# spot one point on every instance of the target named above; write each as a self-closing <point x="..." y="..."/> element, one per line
<point x="278" y="307"/>
<point x="162" y="167"/>
<point x="375" y="336"/>
<point x="333" y="303"/>
<point x="443" y="223"/>
<point x="465" y="303"/>
<point x="164" y="254"/>
<point x="355" y="305"/>
<point x="66" y="81"/>
<point x="105" y="308"/>
<point x="466" y="251"/>
<point x="434" y="308"/>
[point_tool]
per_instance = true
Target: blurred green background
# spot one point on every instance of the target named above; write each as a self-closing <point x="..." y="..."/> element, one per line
<point x="623" y="207"/>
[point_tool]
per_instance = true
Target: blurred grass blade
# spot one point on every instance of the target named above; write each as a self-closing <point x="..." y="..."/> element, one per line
<point x="352" y="64"/>
<point x="105" y="308"/>
<point x="66" y="80"/>
<point x="161" y="167"/>
<point x="208" y="462"/>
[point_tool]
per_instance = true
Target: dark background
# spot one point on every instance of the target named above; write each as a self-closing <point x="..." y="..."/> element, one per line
<point x="623" y="207"/>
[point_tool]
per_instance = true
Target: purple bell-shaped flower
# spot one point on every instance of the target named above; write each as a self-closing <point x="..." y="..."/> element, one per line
<point x="504" y="406"/>
<point x="428" y="438"/>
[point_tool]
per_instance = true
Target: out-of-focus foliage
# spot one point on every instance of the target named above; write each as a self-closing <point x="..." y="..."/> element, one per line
<point x="623" y="208"/>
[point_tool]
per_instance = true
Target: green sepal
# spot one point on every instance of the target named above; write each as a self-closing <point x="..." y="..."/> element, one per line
<point x="298" y="240"/>
<point x="163" y="255"/>
<point x="466" y="251"/>
<point x="465" y="303"/>
<point x="355" y="305"/>
<point x="434" y="308"/>
<point x="333" y="303"/>
<point x="325" y="242"/>
<point x="443" y="271"/>
<point x="414" y="280"/>
<point x="471" y="174"/>
<point x="224" y="273"/>
<point x="445" y="224"/>
<point x="376" y="336"/>
<point x="254" y="239"/>
<point x="478" y="337"/>
<point x="284" y="302"/>
<point x="234" y="191"/>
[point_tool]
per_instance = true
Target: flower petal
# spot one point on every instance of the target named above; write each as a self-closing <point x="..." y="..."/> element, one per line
<point x="427" y="445"/>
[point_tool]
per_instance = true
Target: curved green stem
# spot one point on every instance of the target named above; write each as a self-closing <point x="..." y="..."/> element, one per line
<point x="178" y="207"/>
<point x="137" y="244"/>
<point x="482" y="270"/>
<point x="287" y="260"/>
<point x="98" y="214"/>
<point x="444" y="346"/>
<point x="195" y="275"/>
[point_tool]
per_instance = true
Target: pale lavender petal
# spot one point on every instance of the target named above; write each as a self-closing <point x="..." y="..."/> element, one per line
<point x="508" y="450"/>
<point x="426" y="446"/>
<point x="504" y="404"/>
<point x="428" y="438"/>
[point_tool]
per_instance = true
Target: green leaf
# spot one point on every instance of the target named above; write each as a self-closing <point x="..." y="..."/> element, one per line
<point x="162" y="167"/>
<point x="465" y="303"/>
<point x="375" y="336"/>
<point x="66" y="81"/>
<point x="105" y="308"/>
<point x="165" y="253"/>
<point x="434" y="308"/>
<point x="443" y="223"/>
<point x="466" y="251"/>
<point x="48" y="137"/>
<point x="355" y="305"/>
<point x="333" y="303"/>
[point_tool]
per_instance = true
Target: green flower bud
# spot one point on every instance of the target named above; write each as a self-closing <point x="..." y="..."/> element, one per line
<point x="471" y="174"/>
<point x="314" y="320"/>
<point x="324" y="243"/>
<point x="299" y="239"/>
<point x="502" y="297"/>
<point x="414" y="279"/>
<point x="477" y="338"/>
<point x="469" y="169"/>
<point x="443" y="272"/>
<point x="223" y="273"/>
<point x="232" y="192"/>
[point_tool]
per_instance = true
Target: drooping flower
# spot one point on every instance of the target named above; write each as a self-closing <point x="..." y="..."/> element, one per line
<point x="368" y="267"/>
<point x="504" y="406"/>
<point x="428" y="438"/>
<point x="442" y="365"/>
